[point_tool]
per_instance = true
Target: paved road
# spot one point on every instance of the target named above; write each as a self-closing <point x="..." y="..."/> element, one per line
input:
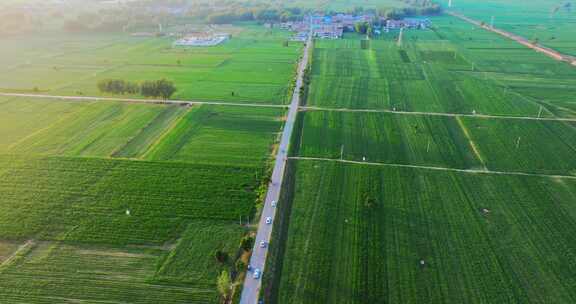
<point x="136" y="100"/>
<point x="251" y="291"/>
<point x="472" y="171"/>
<point x="313" y="108"/>
<point x="537" y="47"/>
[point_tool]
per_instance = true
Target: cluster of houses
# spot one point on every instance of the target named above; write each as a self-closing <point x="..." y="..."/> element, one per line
<point x="333" y="27"/>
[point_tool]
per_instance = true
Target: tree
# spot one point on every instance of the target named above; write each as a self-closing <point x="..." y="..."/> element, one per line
<point x="118" y="86"/>
<point x="224" y="284"/>
<point x="165" y="88"/>
<point x="157" y="88"/>
<point x="247" y="243"/>
<point x="221" y="256"/>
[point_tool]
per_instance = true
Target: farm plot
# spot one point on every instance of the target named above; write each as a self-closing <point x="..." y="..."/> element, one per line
<point x="86" y="200"/>
<point x="43" y="271"/>
<point x="512" y="67"/>
<point x="86" y="229"/>
<point x="551" y="23"/>
<point x="529" y="146"/>
<point x="93" y="129"/>
<point x="387" y="138"/>
<point x="254" y="67"/>
<point x="454" y="68"/>
<point x="423" y="76"/>
<point x="361" y="234"/>
<point x="545" y="147"/>
<point x="207" y="134"/>
<point x="212" y="134"/>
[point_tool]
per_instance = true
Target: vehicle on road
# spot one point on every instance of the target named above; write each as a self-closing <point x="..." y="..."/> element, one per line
<point x="273" y="203"/>
<point x="256" y="274"/>
<point x="268" y="220"/>
<point x="262" y="244"/>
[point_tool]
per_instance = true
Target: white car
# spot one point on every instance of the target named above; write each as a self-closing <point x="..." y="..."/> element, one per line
<point x="273" y="203"/>
<point x="262" y="244"/>
<point x="268" y="220"/>
<point x="256" y="274"/>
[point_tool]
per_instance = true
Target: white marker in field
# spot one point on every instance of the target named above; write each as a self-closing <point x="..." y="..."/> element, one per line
<point x="128" y="212"/>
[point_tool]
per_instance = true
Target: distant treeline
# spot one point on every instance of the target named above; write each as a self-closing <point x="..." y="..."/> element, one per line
<point x="148" y="15"/>
<point x="416" y="8"/>
<point x="150" y="88"/>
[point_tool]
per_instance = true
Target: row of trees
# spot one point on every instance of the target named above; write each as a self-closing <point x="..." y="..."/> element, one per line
<point x="257" y="14"/>
<point x="150" y="88"/>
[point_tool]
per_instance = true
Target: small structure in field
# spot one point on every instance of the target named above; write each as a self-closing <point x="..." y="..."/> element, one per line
<point x="202" y="39"/>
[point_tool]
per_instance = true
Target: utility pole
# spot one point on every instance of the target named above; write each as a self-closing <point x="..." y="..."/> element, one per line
<point x="450" y="3"/>
<point x="518" y="143"/>
<point x="492" y="22"/>
<point x="342" y="152"/>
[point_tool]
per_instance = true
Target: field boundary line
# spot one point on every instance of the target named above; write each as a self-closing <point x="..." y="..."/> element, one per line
<point x="475" y="148"/>
<point x="485" y="116"/>
<point x="145" y="101"/>
<point x="22" y="249"/>
<point x="163" y="135"/>
<point x="470" y="171"/>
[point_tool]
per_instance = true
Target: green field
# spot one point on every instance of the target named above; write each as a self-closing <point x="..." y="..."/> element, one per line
<point x="454" y="68"/>
<point x="121" y="202"/>
<point x="76" y="240"/>
<point x="208" y="134"/>
<point x="358" y="234"/>
<point x="545" y="20"/>
<point x="545" y="147"/>
<point x="408" y="225"/>
<point x="252" y="67"/>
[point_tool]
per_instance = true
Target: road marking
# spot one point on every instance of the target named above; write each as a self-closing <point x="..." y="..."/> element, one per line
<point x="470" y="171"/>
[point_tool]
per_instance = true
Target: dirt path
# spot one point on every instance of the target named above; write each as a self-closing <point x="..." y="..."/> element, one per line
<point x="470" y="171"/>
<point x="137" y="100"/>
<point x="312" y="108"/>
<point x="537" y="47"/>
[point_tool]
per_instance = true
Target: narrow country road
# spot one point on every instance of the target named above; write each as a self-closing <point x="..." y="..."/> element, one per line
<point x="537" y="47"/>
<point x="137" y="100"/>
<point x="252" y="286"/>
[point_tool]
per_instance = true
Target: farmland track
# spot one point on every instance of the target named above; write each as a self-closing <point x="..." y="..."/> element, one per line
<point x="136" y="100"/>
<point x="313" y="108"/>
<point x="523" y="41"/>
<point x="470" y="171"/>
